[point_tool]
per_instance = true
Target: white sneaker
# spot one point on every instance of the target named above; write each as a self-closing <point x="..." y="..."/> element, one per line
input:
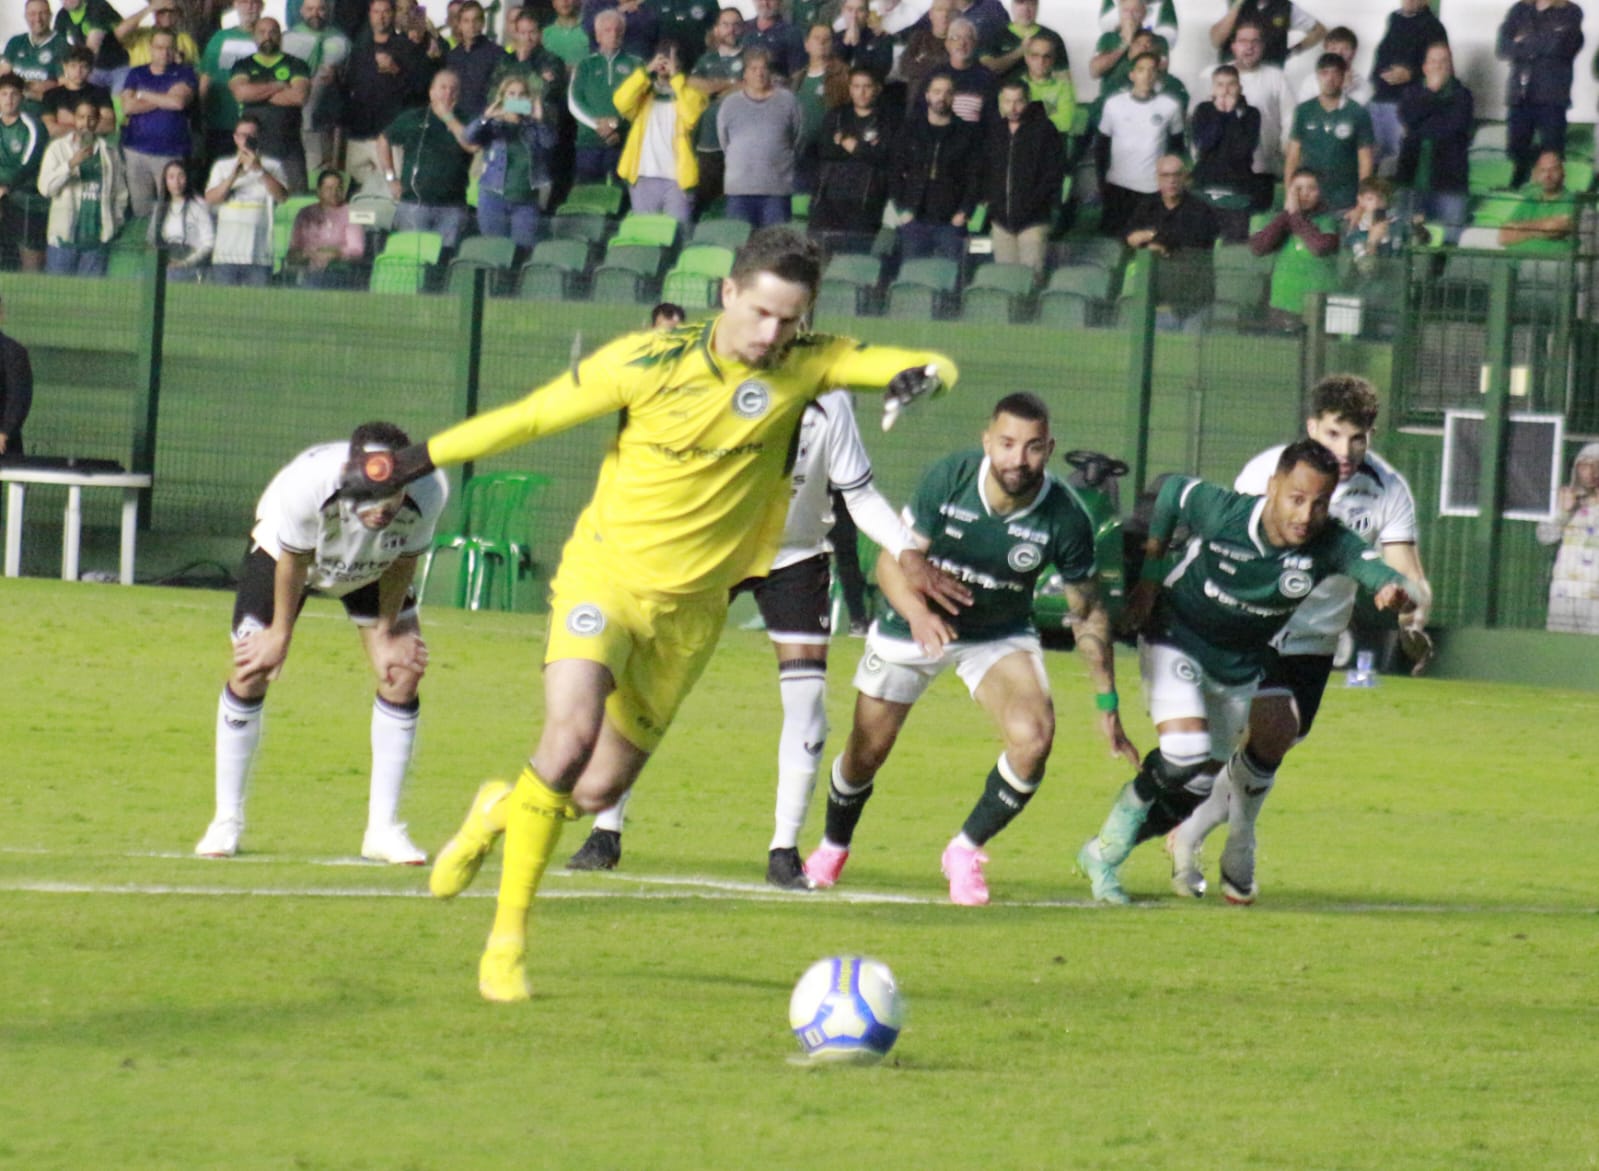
<point x="221" y="838"/>
<point x="390" y="844"/>
<point x="1187" y="871"/>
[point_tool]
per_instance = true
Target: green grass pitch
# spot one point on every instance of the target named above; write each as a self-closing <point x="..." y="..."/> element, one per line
<point x="1414" y="990"/>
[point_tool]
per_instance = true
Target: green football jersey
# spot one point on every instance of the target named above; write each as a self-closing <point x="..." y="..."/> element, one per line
<point x="33" y="62"/>
<point x="1329" y="144"/>
<point x="1231" y="590"/>
<point x="998" y="557"/>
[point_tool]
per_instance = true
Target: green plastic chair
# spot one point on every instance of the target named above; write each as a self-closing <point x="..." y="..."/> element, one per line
<point x="417" y="247"/>
<point x="1084" y="280"/>
<point x="926" y="287"/>
<point x="630" y="274"/>
<point x="724" y="232"/>
<point x="283" y="217"/>
<point x="999" y="293"/>
<point x="494" y="542"/>
<point x="397" y="274"/>
<point x="555" y="271"/>
<point x="647" y="228"/>
<point x="589" y="227"/>
<point x="695" y="281"/>
<point x="592" y="197"/>
<point x="495" y="254"/>
<point x="1064" y="310"/>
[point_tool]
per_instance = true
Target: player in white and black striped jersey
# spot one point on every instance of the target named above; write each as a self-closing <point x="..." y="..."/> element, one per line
<point x="306" y="538"/>
<point x="793" y="601"/>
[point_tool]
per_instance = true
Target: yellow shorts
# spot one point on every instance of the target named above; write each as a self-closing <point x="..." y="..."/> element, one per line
<point x="655" y="648"/>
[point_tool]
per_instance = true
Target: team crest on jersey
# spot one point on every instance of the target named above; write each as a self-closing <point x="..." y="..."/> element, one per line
<point x="1295" y="583"/>
<point x="1343" y="130"/>
<point x="1185" y="670"/>
<point x="585" y="620"/>
<point x="752" y="399"/>
<point x="1025" y="558"/>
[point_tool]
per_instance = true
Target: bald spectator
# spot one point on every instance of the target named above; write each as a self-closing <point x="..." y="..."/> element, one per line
<point x="1181" y="229"/>
<point x="1540" y="39"/>
<point x="36" y="55"/>
<point x="431" y="177"/>
<point x="600" y="129"/>
<point x="1545" y="221"/>
<point x="219" y="110"/>
<point x="272" y="86"/>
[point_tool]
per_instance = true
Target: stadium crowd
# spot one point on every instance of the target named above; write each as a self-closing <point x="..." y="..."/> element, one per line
<point x="197" y="124"/>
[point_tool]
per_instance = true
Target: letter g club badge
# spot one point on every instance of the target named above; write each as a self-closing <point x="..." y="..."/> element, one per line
<point x="585" y="620"/>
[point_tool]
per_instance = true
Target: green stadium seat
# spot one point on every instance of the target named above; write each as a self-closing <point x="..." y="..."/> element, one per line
<point x="999" y="293"/>
<point x="1495" y="210"/>
<point x="494" y="541"/>
<point x="1102" y="251"/>
<point x="695" y="281"/>
<point x="1488" y="171"/>
<point x="375" y="213"/>
<point x="1579" y="175"/>
<point x="725" y="233"/>
<point x="555" y="271"/>
<point x="133" y="235"/>
<point x="1065" y="310"/>
<point x="489" y="251"/>
<point x="1084" y="280"/>
<point x="630" y="273"/>
<point x="653" y="229"/>
<point x="601" y="198"/>
<point x="926" y="287"/>
<point x="419" y="248"/>
<point x="397" y="274"/>
<point x="283" y="217"/>
<point x="851" y="285"/>
<point x="590" y="227"/>
<point x="1493" y="136"/>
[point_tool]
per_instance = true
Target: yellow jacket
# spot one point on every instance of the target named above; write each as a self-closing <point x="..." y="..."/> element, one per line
<point x="633" y="99"/>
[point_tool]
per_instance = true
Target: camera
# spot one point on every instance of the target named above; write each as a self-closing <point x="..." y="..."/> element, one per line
<point x="252" y="143"/>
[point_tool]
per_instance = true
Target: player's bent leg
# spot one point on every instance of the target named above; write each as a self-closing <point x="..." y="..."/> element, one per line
<point x="399" y="659"/>
<point x="872" y="735"/>
<point x="462" y="856"/>
<point x="602" y="849"/>
<point x="238" y="737"/>
<point x="1250" y="780"/>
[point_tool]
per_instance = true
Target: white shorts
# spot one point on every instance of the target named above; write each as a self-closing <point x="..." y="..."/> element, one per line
<point x="896" y="670"/>
<point x="1176" y="687"/>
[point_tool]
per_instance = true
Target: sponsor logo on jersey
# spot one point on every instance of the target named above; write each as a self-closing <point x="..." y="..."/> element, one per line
<point x="752" y="399"/>
<point x="1234" y="552"/>
<point x="1024" y="558"/>
<point x="1022" y="532"/>
<point x="392" y="541"/>
<point x="1216" y="593"/>
<point x="585" y="620"/>
<point x="1298" y="561"/>
<point x="1295" y="583"/>
<point x="956" y="512"/>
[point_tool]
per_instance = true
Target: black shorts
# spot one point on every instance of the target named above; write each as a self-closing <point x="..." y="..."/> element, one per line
<point x="793" y="601"/>
<point x="254" y="605"/>
<point x="1302" y="676"/>
<point x="22" y="222"/>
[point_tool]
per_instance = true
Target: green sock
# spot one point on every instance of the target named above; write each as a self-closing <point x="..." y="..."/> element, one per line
<point x="1004" y="796"/>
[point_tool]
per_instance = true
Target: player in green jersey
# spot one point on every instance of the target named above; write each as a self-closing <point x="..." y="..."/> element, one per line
<point x="1207" y="624"/>
<point x="994" y="519"/>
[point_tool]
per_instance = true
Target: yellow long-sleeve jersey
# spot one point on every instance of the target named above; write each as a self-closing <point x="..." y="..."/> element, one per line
<point x="692" y="495"/>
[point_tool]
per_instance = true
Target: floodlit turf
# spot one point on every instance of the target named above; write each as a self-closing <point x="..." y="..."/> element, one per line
<point x="1415" y="989"/>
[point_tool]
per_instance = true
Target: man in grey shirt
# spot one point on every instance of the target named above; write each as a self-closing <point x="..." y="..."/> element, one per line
<point x="759" y="127"/>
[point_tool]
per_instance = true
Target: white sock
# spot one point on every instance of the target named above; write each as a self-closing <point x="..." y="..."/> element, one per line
<point x="611" y="818"/>
<point x="238" y="737"/>
<point x="393" y="741"/>
<point x="1251" y="784"/>
<point x="803" y="687"/>
<point x="1210" y="812"/>
<point x="964" y="842"/>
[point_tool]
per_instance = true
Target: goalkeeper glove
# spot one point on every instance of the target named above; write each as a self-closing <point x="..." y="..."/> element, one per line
<point x="906" y="387"/>
<point x="378" y="474"/>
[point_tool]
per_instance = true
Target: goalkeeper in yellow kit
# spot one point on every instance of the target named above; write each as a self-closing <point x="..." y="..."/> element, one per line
<point x="690" y="500"/>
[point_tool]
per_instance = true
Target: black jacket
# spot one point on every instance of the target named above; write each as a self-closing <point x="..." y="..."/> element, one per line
<point x="853" y="186"/>
<point x="1404" y="43"/>
<point x="1225" y="145"/>
<point x="1022" y="172"/>
<point x="372" y="98"/>
<point x="1540" y="47"/>
<point x="936" y="169"/>
<point x="16" y="392"/>
<point x="1445" y="120"/>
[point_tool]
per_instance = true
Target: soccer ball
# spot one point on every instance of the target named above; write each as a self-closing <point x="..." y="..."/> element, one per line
<point x="846" y="1008"/>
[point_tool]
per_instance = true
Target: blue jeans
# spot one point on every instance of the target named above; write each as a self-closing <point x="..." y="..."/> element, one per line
<point x="596" y="164"/>
<point x="253" y="275"/>
<point x="496" y="217"/>
<point x="1386" y="129"/>
<point x="919" y="238"/>
<point x="759" y="211"/>
<point x="664" y="196"/>
<point x="448" y="220"/>
<point x="65" y="260"/>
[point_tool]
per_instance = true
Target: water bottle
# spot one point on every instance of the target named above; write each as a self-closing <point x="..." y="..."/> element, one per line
<point x="1364" y="672"/>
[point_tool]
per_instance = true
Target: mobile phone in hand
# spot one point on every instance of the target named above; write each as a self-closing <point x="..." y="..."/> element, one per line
<point x="523" y="106"/>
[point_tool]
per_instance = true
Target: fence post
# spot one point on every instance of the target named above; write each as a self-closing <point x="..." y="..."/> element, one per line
<point x="1481" y="606"/>
<point x="469" y="350"/>
<point x="1140" y="370"/>
<point x="147" y="384"/>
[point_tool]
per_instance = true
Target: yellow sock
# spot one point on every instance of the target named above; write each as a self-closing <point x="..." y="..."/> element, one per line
<point x="535" y="814"/>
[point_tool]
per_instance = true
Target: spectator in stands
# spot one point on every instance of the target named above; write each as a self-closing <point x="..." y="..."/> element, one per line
<point x="1266" y="89"/>
<point x="1545" y="220"/>
<point x="1372" y="232"/>
<point x="324" y="49"/>
<point x="324" y="244"/>
<point x="924" y="47"/>
<point x="641" y="27"/>
<point x="759" y="127"/>
<point x="1225" y="133"/>
<point x="156" y="99"/>
<point x="431" y="180"/>
<point x="687" y="24"/>
<point x="784" y="44"/>
<point x="23" y="210"/>
<point x="600" y="128"/>
<point x="658" y="163"/>
<point x="60" y="101"/>
<point x="1346" y="44"/>
<point x="1007" y="60"/>
<point x="1161" y="19"/>
<point x="36" y="55"/>
<point x="181" y="223"/>
<point x="1023" y="168"/>
<point x="272" y="86"/>
<point x="1276" y="19"/>
<point x="163" y="15"/>
<point x="856" y="153"/>
<point x="1182" y="230"/>
<point x="565" y="36"/>
<point x="92" y="24"/>
<point x="1119" y="79"/>
<point x="1540" y="39"/>
<point x="1136" y="127"/>
<point x="16" y="386"/>
<point x="1048" y="85"/>
<point x="1305" y="233"/>
<point x="858" y="44"/>
<point x="1574" y="583"/>
<point x="667" y="315"/>
<point x="988" y="17"/>
<point x="1113" y="52"/>
<point x="821" y="86"/>
<point x="975" y="86"/>
<point x="936" y="180"/>
<point x="385" y="74"/>
<point x="473" y="59"/>
<point x="527" y="58"/>
<point x="1438" y="117"/>
<point x="1412" y="29"/>
<point x="219" y="110"/>
<point x="518" y="138"/>
<point x="81" y="176"/>
<point x="1332" y="136"/>
<point x="431" y="43"/>
<point x="243" y="189"/>
<point x="718" y="72"/>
